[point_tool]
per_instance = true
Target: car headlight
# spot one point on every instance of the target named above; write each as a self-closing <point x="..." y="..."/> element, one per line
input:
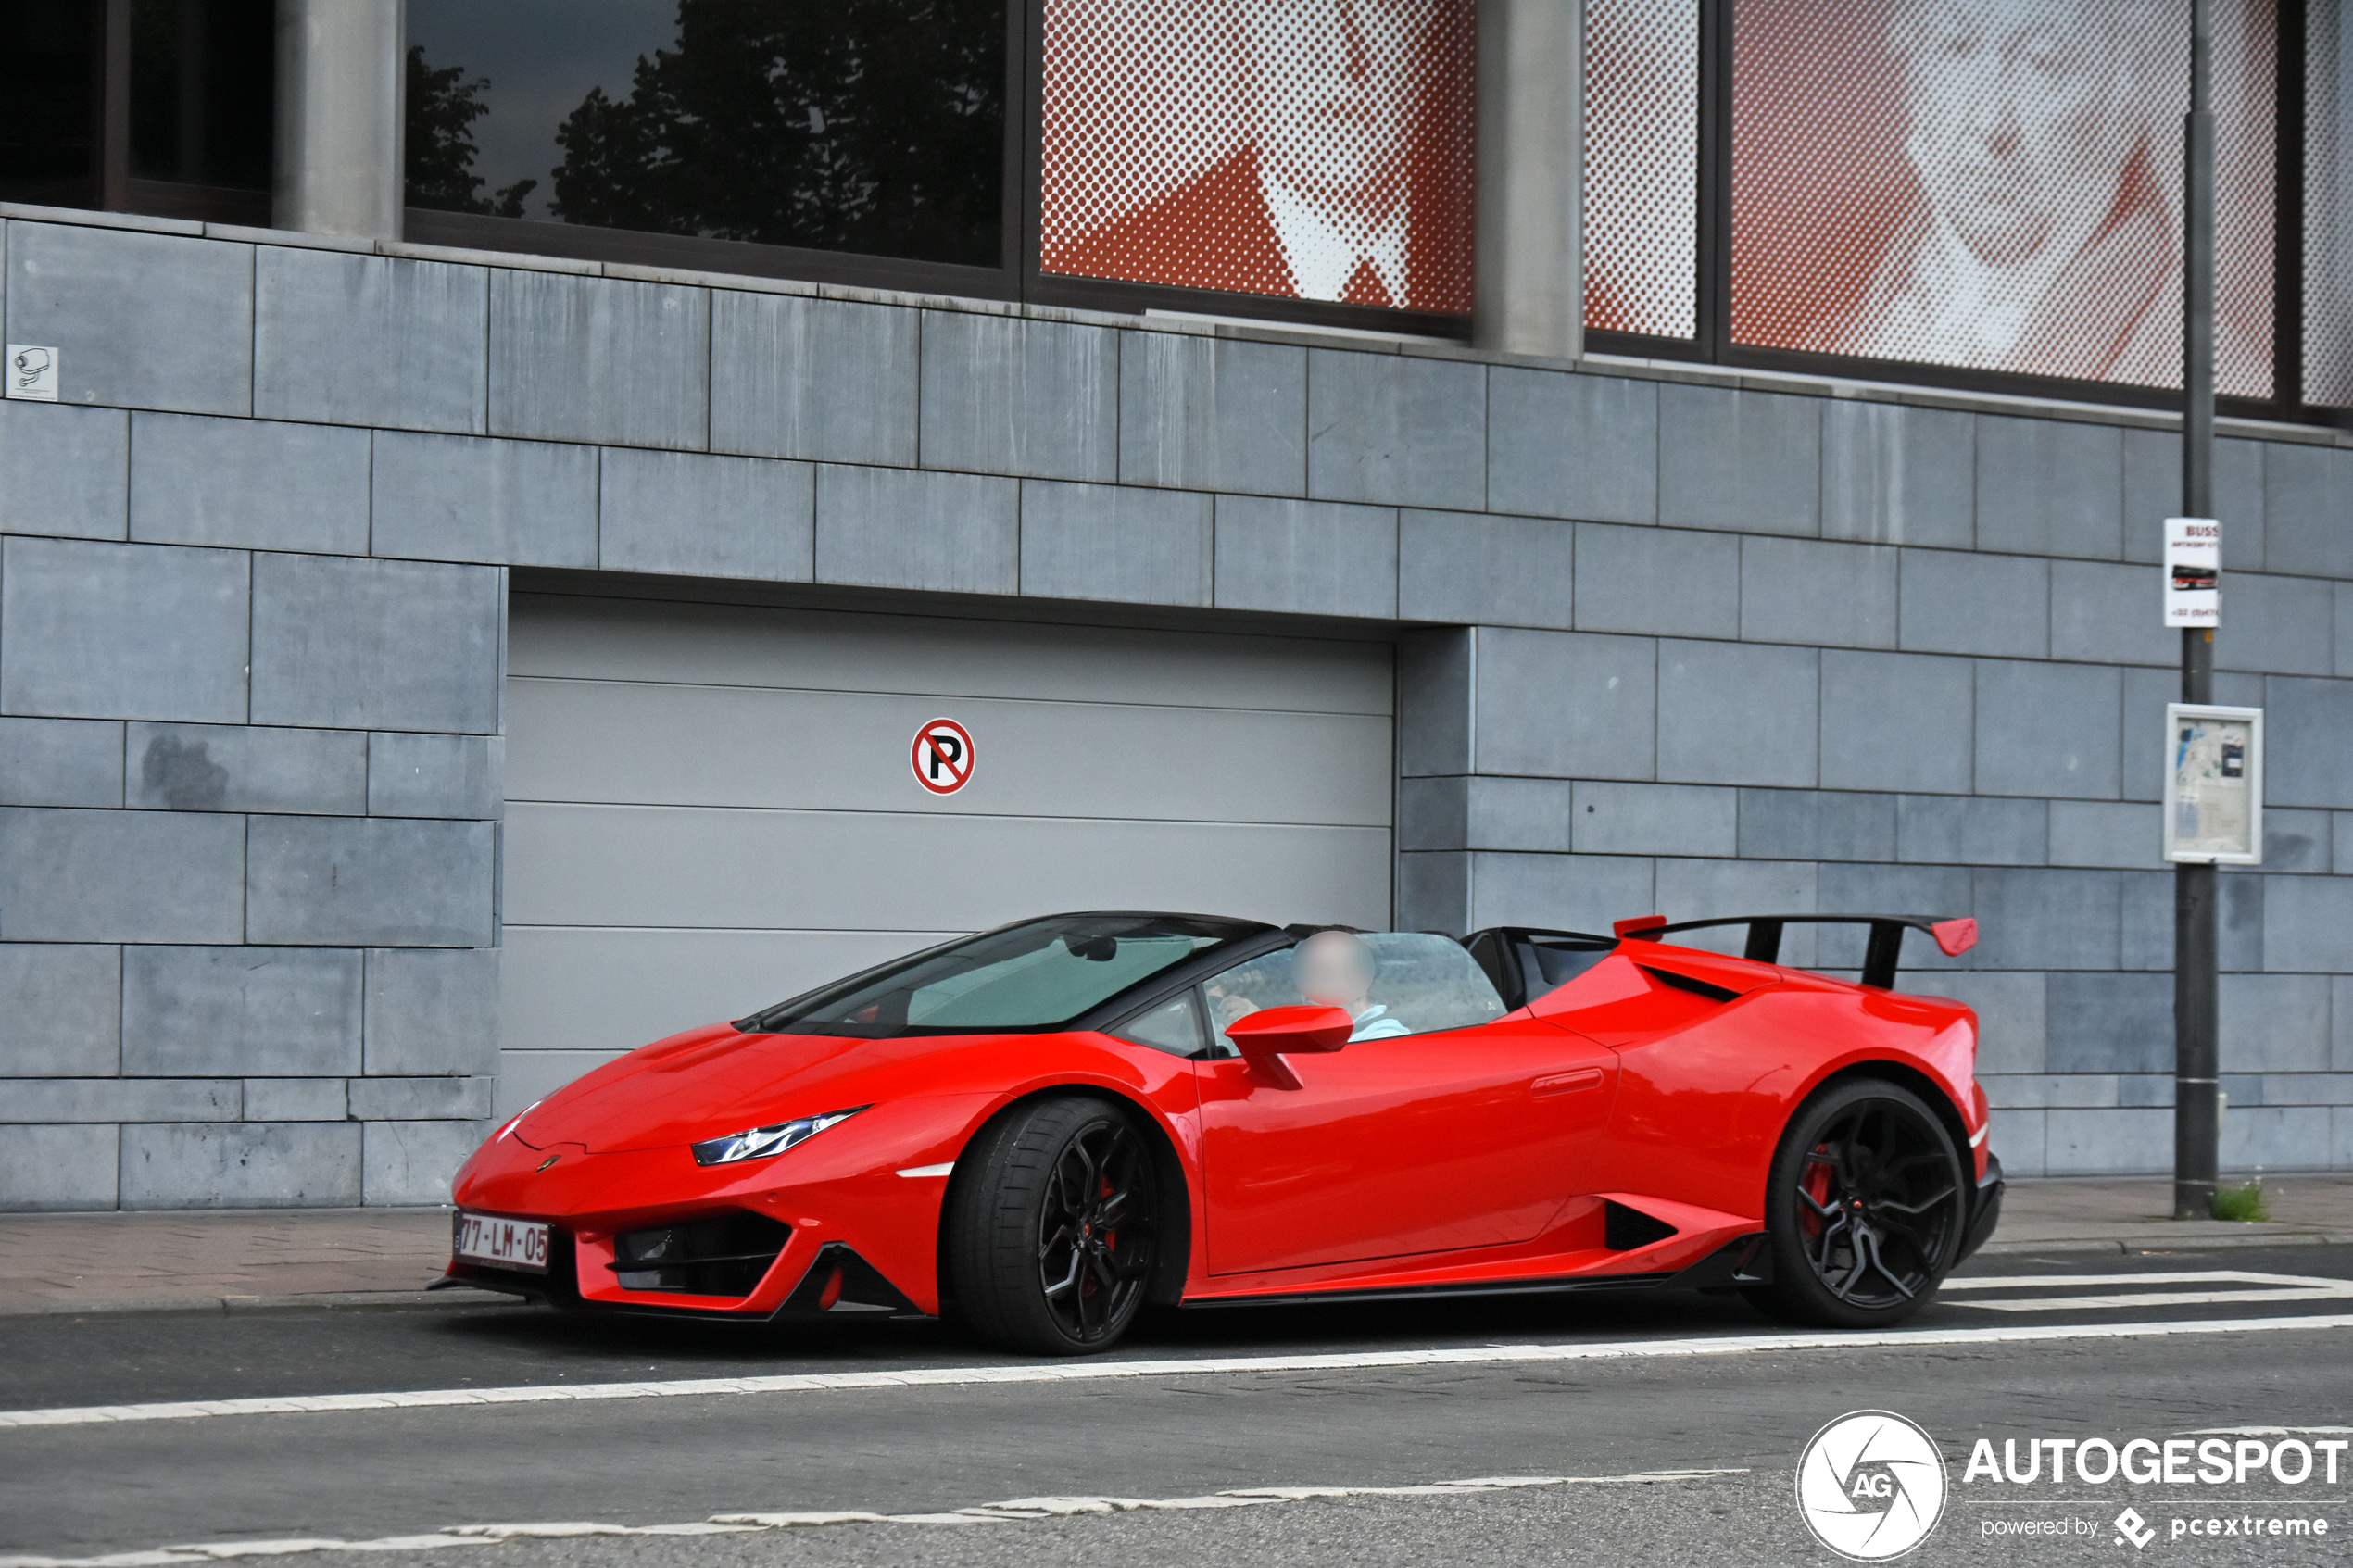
<point x="762" y="1142"/>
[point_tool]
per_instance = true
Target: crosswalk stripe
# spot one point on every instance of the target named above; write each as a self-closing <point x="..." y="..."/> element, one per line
<point x="1204" y="1366"/>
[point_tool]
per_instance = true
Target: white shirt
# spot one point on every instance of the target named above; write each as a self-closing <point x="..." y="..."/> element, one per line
<point x="1323" y="255"/>
<point x="1965" y="312"/>
<point x="1374" y="1024"/>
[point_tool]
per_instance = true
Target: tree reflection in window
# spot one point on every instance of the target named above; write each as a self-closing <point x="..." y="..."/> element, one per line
<point x="875" y="126"/>
<point x="443" y="106"/>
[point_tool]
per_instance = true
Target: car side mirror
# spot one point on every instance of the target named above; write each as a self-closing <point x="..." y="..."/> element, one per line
<point x="1267" y="1035"/>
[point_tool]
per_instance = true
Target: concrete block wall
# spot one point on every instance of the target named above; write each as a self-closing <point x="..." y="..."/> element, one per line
<point x="1670" y="639"/>
<point x="250" y="776"/>
<point x="1810" y="687"/>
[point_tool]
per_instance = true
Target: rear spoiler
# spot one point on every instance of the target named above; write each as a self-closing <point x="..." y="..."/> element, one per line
<point x="1954" y="936"/>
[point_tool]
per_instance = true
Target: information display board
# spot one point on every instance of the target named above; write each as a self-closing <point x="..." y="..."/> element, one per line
<point x="2213" y="784"/>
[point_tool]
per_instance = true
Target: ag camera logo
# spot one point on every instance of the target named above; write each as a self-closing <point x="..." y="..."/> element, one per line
<point x="1871" y="1485"/>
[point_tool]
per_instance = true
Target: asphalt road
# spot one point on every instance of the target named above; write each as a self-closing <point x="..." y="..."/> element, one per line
<point x="1684" y="1388"/>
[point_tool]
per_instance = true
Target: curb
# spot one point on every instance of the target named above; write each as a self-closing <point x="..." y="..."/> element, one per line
<point x="2126" y="1245"/>
<point x="243" y="1306"/>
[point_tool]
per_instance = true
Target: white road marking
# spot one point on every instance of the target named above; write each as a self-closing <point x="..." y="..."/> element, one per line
<point x="2270" y="1431"/>
<point x="1099" y="1371"/>
<point x="2285" y="1287"/>
<point x="1011" y="1512"/>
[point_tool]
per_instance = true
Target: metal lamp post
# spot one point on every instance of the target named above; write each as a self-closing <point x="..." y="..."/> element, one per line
<point x="2196" y="1012"/>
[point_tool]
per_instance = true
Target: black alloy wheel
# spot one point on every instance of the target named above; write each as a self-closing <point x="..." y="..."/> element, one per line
<point x="1051" y="1231"/>
<point x="1866" y="1205"/>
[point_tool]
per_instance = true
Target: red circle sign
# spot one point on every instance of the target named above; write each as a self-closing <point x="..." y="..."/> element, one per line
<point x="942" y="756"/>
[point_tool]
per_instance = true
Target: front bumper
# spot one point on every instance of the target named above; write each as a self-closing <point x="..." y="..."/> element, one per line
<point x="829" y="1228"/>
<point x="837" y="1284"/>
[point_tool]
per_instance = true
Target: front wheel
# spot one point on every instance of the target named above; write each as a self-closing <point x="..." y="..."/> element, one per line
<point x="1865" y="1205"/>
<point x="1051" y="1227"/>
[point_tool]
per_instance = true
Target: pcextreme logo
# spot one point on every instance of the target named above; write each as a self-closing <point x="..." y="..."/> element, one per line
<point x="1871" y="1485"/>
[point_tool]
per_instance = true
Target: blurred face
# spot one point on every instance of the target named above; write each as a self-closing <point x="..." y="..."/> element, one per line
<point x="2021" y="120"/>
<point x="1335" y="969"/>
<point x="1334" y="83"/>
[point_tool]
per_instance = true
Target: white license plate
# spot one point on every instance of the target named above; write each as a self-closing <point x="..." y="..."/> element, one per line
<point x="509" y="1244"/>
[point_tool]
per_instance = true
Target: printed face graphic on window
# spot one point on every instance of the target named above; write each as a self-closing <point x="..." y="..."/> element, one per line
<point x="1333" y="89"/>
<point x="2022" y="117"/>
<point x="1318" y="149"/>
<point x="1994" y="183"/>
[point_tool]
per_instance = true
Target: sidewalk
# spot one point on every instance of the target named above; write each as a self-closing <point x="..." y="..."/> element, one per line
<point x="275" y="1259"/>
<point x="226" y="1261"/>
<point x="2130" y="1214"/>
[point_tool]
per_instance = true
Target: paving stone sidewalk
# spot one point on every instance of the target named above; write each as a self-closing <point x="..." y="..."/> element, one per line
<point x="222" y="1260"/>
<point x="267" y="1260"/>
<point x="2132" y="1214"/>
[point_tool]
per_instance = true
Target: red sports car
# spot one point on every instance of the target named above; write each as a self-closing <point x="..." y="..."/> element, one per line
<point x="1038" y="1129"/>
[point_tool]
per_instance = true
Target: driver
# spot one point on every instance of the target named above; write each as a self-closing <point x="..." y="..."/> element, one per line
<point x="1337" y="968"/>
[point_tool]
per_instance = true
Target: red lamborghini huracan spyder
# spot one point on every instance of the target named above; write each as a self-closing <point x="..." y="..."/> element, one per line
<point x="1038" y="1129"/>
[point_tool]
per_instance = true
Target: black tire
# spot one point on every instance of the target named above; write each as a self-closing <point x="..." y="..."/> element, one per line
<point x="1866" y="1206"/>
<point x="1051" y="1227"/>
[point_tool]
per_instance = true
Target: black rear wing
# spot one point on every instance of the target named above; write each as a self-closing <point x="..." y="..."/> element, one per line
<point x="1525" y="963"/>
<point x="1953" y="935"/>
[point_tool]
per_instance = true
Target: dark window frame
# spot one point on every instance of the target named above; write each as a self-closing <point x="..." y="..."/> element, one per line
<point x="1712" y="341"/>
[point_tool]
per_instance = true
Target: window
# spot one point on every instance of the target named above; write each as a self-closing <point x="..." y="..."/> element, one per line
<point x="49" y="136"/>
<point x="1299" y="149"/>
<point x="1035" y="977"/>
<point x="1991" y="186"/>
<point x="2326" y="270"/>
<point x="1173" y="1026"/>
<point x="874" y="126"/>
<point x="1641" y="166"/>
<point x="163" y="106"/>
<point x="1391" y="983"/>
<point x="1970" y="193"/>
<point x="202" y="79"/>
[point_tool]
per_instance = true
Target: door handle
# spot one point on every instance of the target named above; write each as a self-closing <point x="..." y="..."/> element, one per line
<point x="1567" y="1083"/>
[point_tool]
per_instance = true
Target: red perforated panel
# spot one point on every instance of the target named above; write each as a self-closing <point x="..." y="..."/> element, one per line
<point x="1995" y="183"/>
<point x="1314" y="148"/>
<point x="1642" y="166"/>
<point x="2328" y="210"/>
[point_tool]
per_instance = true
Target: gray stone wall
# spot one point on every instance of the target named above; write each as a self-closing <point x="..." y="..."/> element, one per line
<point x="1673" y="639"/>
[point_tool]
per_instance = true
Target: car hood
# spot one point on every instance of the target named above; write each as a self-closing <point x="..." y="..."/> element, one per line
<point x="711" y="1082"/>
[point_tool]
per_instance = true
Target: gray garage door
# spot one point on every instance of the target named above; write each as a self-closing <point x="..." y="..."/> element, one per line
<point x="713" y="808"/>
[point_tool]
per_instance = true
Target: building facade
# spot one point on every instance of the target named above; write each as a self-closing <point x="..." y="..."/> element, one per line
<point x="426" y="672"/>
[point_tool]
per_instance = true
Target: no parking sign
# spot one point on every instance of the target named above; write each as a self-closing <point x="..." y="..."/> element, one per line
<point x="942" y="756"/>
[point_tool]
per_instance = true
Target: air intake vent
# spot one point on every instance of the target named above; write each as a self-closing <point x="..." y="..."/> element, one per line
<point x="1696" y="987"/>
<point x="1624" y="1229"/>
<point x="723" y="1255"/>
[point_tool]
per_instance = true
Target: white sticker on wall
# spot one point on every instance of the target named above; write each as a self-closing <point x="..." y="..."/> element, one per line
<point x="32" y="372"/>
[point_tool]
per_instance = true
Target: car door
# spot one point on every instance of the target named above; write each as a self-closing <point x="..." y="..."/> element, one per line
<point x="1415" y="1143"/>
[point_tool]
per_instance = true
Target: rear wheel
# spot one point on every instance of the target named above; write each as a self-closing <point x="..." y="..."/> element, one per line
<point x="1050" y="1228"/>
<point x="1865" y="1207"/>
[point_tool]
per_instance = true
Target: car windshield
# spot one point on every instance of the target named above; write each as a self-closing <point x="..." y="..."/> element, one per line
<point x="1039" y="975"/>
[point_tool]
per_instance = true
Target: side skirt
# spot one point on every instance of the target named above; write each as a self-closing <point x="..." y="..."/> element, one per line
<point x="1575" y="1284"/>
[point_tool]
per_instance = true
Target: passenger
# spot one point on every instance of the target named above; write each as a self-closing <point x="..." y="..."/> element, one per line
<point x="1337" y="968"/>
